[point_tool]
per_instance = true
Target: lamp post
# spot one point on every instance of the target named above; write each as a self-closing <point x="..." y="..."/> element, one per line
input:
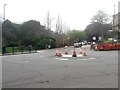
<point x="3" y="44"/>
<point x="4" y="11"/>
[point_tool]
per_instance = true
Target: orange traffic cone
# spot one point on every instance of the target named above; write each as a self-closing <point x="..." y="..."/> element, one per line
<point x="96" y="49"/>
<point x="66" y="52"/>
<point x="65" y="47"/>
<point x="74" y="53"/>
<point x="56" y="52"/>
<point x="59" y="54"/>
<point x="84" y="52"/>
<point x="81" y="51"/>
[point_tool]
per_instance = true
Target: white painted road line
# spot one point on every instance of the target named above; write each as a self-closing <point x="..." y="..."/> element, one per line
<point x="62" y="59"/>
<point x="66" y="55"/>
<point x="39" y="51"/>
<point x="82" y="59"/>
<point x="87" y="59"/>
<point x="26" y="60"/>
<point x="79" y="55"/>
<point x="92" y="58"/>
<point x="71" y="55"/>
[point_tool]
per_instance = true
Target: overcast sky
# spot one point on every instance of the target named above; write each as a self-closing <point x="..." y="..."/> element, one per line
<point x="74" y="13"/>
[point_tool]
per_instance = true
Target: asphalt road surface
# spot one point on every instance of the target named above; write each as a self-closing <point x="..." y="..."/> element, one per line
<point x="99" y="69"/>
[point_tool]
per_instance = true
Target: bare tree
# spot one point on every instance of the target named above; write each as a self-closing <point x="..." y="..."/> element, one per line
<point x="48" y="21"/>
<point x="59" y="32"/>
<point x="48" y="24"/>
<point x="59" y="28"/>
<point x="66" y="28"/>
<point x="101" y="17"/>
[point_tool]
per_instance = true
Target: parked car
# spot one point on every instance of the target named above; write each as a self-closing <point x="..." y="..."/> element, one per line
<point x="89" y="43"/>
<point x="80" y="44"/>
<point x="76" y="45"/>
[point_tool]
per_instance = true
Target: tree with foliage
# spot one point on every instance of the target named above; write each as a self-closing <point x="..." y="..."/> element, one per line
<point x="24" y="34"/>
<point x="9" y="33"/>
<point x="29" y="32"/>
<point x="75" y="36"/>
<point x="95" y="30"/>
<point x="99" y="26"/>
<point x="101" y="17"/>
<point x="43" y="43"/>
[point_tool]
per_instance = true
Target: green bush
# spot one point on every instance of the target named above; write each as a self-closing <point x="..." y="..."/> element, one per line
<point x="119" y="40"/>
<point x="10" y="49"/>
<point x="107" y="42"/>
<point x="42" y="43"/>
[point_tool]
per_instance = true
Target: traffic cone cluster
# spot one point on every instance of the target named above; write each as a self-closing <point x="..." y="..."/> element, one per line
<point x="74" y="54"/>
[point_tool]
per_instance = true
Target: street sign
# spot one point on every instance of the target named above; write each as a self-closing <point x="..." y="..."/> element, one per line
<point x="100" y="38"/>
<point x="94" y="38"/>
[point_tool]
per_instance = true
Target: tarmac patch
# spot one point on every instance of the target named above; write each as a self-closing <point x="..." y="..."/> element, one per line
<point x="41" y="56"/>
